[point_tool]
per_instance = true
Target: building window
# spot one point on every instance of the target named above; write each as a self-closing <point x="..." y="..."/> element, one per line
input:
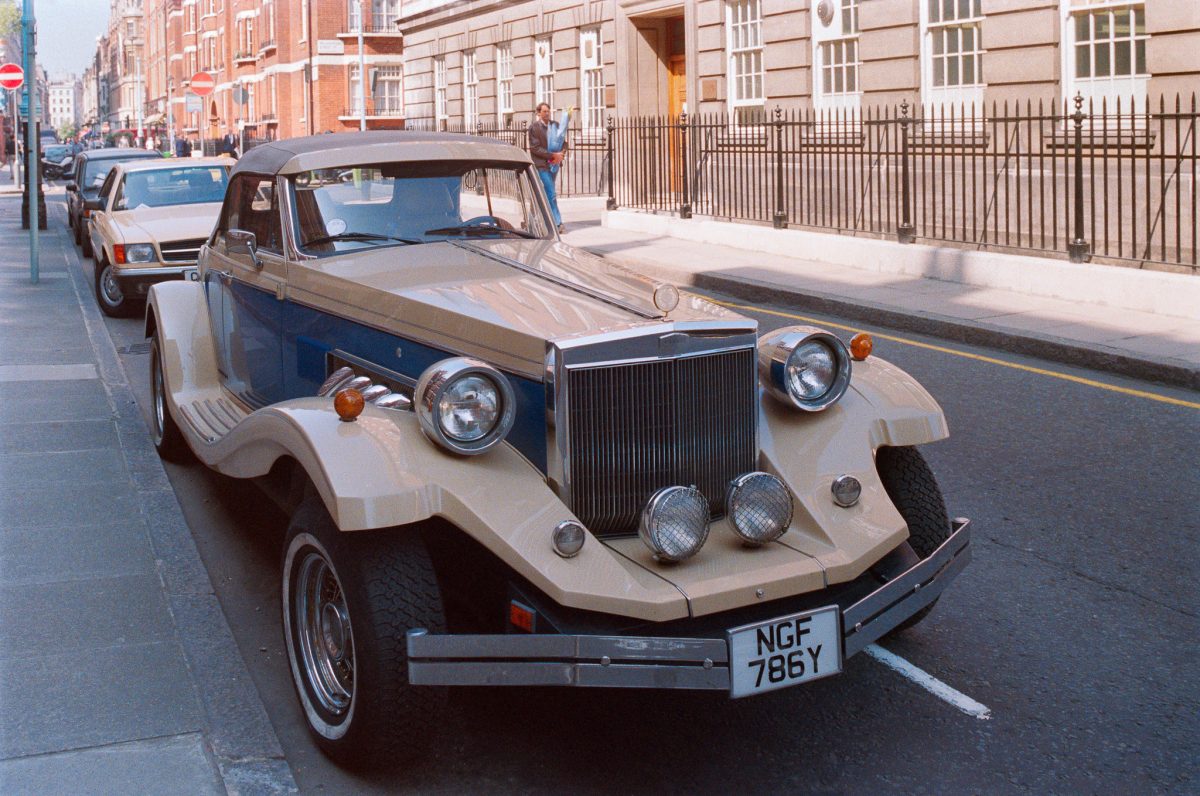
<point x="543" y="70"/>
<point x="837" y="58"/>
<point x="304" y="24"/>
<point x="470" y="91"/>
<point x="1106" y="51"/>
<point x="389" y="90"/>
<point x="439" y="92"/>
<point x="504" y="80"/>
<point x="357" y="97"/>
<point x="743" y="33"/>
<point x="953" y="52"/>
<point x="591" y="66"/>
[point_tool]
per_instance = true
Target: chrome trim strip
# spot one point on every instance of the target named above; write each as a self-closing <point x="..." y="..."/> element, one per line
<point x="647" y="662"/>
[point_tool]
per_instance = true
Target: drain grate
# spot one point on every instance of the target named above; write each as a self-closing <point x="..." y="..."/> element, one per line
<point x="135" y="348"/>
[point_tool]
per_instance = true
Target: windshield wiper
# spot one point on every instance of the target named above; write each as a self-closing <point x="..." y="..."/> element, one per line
<point x="363" y="236"/>
<point x="475" y="229"/>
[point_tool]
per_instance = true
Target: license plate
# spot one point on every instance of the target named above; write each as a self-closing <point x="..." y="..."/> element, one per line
<point x="191" y="274"/>
<point x="781" y="652"/>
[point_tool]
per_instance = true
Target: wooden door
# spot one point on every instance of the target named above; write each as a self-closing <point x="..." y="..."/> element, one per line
<point x="676" y="105"/>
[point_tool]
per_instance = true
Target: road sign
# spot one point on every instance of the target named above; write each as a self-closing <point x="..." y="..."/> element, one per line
<point x="12" y="76"/>
<point x="202" y="84"/>
<point x="193" y="104"/>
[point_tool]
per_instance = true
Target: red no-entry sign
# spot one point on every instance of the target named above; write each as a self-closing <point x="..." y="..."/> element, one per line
<point x="202" y="84"/>
<point x="12" y="76"/>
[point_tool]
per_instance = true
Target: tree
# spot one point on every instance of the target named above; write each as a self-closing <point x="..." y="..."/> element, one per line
<point x="67" y="131"/>
<point x="10" y="18"/>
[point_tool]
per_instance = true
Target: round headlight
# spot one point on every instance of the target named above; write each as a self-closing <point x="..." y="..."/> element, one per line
<point x="804" y="366"/>
<point x="759" y="507"/>
<point x="675" y="523"/>
<point x="464" y="405"/>
<point x="568" y="538"/>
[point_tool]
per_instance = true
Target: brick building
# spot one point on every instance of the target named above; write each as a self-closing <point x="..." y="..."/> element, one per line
<point x="482" y="61"/>
<point x="282" y="68"/>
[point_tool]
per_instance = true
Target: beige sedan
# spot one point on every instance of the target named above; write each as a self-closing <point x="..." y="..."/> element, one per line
<point x="148" y="223"/>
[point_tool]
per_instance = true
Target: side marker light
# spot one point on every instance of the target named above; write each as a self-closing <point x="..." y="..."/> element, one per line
<point x="861" y="346"/>
<point x="348" y="404"/>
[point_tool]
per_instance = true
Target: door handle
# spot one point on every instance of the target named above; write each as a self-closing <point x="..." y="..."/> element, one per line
<point x="226" y="277"/>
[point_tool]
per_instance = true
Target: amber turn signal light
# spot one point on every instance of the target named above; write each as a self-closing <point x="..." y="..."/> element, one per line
<point x="861" y="346"/>
<point x="348" y="403"/>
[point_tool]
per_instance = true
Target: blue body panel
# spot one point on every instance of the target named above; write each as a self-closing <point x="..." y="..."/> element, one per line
<point x="308" y="334"/>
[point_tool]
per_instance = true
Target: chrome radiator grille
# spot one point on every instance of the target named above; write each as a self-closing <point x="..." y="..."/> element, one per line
<point x="636" y="428"/>
<point x="182" y="251"/>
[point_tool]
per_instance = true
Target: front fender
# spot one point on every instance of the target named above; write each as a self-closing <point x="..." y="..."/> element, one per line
<point x="884" y="406"/>
<point x="380" y="471"/>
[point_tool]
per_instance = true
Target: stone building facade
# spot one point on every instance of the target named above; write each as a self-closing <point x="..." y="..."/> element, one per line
<point x="472" y="62"/>
<point x="65" y="96"/>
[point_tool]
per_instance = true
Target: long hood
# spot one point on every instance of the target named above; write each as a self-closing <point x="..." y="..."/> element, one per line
<point x="500" y="300"/>
<point x="161" y="224"/>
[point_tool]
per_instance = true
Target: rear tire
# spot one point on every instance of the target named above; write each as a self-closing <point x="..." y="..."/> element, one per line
<point x="168" y="438"/>
<point x="914" y="490"/>
<point x="86" y="244"/>
<point x="348" y="601"/>
<point x="78" y="235"/>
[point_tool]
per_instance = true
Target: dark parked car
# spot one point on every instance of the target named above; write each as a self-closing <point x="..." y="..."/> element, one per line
<point x="91" y="168"/>
<point x="57" y="160"/>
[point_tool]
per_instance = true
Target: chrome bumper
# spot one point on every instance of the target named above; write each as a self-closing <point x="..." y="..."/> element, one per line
<point x="644" y="662"/>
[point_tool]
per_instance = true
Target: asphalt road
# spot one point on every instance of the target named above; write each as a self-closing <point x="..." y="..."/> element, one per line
<point x="1076" y="624"/>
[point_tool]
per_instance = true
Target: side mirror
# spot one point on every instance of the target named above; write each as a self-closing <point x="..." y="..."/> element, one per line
<point x="72" y="187"/>
<point x="239" y="241"/>
<point x="93" y="204"/>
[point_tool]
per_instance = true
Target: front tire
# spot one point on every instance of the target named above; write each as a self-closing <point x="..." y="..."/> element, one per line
<point x="348" y="601"/>
<point x="113" y="302"/>
<point x="914" y="490"/>
<point x="168" y="438"/>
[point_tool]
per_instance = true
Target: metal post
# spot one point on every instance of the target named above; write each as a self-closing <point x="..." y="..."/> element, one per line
<point x="685" y="205"/>
<point x="362" y="69"/>
<point x="906" y="233"/>
<point x="32" y="173"/>
<point x="1077" y="248"/>
<point x="780" y="218"/>
<point x="610" y="130"/>
<point x="139" y="99"/>
<point x="16" y="132"/>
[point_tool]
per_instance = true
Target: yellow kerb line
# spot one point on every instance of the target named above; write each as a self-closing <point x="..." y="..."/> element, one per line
<point x="991" y="360"/>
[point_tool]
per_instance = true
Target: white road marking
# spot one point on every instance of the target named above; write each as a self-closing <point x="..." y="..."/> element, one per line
<point x="929" y="682"/>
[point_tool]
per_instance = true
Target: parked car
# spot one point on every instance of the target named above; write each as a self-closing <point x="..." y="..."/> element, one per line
<point x="91" y="167"/>
<point x="509" y="462"/>
<point x="148" y="223"/>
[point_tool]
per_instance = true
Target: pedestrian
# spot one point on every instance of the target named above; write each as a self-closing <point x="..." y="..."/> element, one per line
<point x="228" y="145"/>
<point x="543" y="158"/>
<point x="183" y="148"/>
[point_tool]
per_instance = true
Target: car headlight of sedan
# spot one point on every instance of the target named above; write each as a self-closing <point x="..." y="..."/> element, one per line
<point x="464" y="405"/>
<point x="804" y="366"/>
<point x="139" y="253"/>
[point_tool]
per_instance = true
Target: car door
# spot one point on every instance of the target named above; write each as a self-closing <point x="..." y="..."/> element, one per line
<point x="246" y="291"/>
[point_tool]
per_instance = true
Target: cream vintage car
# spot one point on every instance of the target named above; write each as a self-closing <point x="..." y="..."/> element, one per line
<point x="147" y="225"/>
<point x="509" y="462"/>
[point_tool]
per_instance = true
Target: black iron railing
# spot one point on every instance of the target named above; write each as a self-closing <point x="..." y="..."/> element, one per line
<point x="1087" y="179"/>
<point x="584" y="171"/>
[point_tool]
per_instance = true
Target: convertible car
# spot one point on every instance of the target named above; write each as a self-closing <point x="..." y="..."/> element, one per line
<point x="509" y="462"/>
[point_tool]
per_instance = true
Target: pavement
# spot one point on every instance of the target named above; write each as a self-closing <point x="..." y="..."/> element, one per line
<point x="118" y="670"/>
<point x="1152" y="346"/>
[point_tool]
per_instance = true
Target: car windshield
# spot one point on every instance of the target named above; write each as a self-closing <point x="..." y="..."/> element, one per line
<point x="165" y="187"/>
<point x="96" y="169"/>
<point x="56" y="152"/>
<point x="393" y="204"/>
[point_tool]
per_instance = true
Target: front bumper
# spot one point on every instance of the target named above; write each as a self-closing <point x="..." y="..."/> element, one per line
<point x="649" y="662"/>
<point x="135" y="281"/>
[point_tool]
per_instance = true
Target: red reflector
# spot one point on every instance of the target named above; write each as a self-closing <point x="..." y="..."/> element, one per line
<point x="520" y="616"/>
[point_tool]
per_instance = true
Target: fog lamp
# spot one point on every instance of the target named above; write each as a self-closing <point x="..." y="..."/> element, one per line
<point x="674" y="523"/>
<point x="568" y="538"/>
<point x="759" y="507"/>
<point x="846" y="490"/>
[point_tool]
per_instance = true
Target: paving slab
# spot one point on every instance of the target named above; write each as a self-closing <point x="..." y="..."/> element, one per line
<point x="33" y="505"/>
<point x="155" y="767"/>
<point x="40" y="555"/>
<point x="59" y="435"/>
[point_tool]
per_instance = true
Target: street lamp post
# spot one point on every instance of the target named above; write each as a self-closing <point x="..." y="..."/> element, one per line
<point x="362" y="70"/>
<point x="137" y="96"/>
<point x="32" y="177"/>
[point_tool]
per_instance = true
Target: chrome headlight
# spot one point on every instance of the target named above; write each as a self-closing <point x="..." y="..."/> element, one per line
<point x="804" y="366"/>
<point x="464" y="405"/>
<point x="675" y="523"/>
<point x="139" y="253"/>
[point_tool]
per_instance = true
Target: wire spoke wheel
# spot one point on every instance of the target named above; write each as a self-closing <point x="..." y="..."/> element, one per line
<point x="323" y="631"/>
